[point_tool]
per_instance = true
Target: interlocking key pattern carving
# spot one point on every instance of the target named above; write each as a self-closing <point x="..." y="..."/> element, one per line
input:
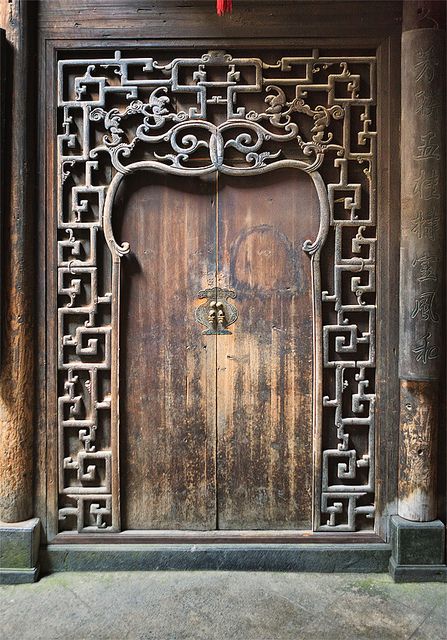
<point x="196" y="115"/>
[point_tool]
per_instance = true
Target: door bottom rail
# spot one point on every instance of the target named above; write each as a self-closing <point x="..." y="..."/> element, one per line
<point x="219" y="536"/>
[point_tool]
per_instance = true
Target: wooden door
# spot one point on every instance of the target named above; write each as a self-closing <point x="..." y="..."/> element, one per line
<point x="168" y="373"/>
<point x="216" y="430"/>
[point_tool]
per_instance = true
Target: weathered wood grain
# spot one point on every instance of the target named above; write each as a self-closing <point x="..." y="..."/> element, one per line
<point x="16" y="377"/>
<point x="109" y="19"/>
<point x="264" y="374"/>
<point x="168" y="368"/>
<point x="419" y="411"/>
<point x="317" y="23"/>
<point x="264" y="369"/>
<point x="388" y="233"/>
<point x="422" y="258"/>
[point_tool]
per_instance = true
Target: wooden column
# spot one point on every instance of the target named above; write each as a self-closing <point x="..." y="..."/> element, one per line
<point x="16" y="377"/>
<point x="422" y="265"/>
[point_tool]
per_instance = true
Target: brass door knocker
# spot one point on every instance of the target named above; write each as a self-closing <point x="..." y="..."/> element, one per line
<point x="216" y="314"/>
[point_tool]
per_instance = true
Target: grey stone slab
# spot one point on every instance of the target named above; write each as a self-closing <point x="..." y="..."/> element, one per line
<point x="224" y="592"/>
<point x="434" y="627"/>
<point x="416" y="543"/>
<point x="19" y="544"/>
<point x="329" y="558"/>
<point x="196" y="606"/>
<point x="19" y="551"/>
<point x="313" y="591"/>
<point x="421" y="599"/>
<point x="360" y="616"/>
<point x="47" y="610"/>
<point x="19" y="576"/>
<point x="417" y="572"/>
<point x="205" y="605"/>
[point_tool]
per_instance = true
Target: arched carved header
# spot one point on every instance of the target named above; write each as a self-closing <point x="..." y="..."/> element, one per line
<point x="194" y="116"/>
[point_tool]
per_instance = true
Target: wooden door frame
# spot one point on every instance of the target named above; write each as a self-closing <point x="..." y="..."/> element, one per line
<point x="53" y="50"/>
<point x="387" y="46"/>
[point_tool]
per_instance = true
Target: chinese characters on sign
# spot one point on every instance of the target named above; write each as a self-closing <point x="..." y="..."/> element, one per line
<point x="424" y="351"/>
<point x="425" y="226"/>
<point x="427" y="268"/>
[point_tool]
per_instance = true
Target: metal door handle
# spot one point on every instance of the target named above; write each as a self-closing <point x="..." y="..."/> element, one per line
<point x="216" y="314"/>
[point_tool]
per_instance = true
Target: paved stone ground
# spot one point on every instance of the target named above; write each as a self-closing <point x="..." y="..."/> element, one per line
<point x="222" y="606"/>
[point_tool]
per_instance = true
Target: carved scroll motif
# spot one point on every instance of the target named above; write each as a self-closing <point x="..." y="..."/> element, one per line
<point x="239" y="116"/>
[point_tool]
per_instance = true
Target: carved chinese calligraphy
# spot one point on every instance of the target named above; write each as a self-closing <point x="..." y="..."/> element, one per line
<point x="239" y="116"/>
<point x="422" y="213"/>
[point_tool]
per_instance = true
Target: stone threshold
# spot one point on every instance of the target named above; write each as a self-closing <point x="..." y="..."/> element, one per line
<point x="329" y="558"/>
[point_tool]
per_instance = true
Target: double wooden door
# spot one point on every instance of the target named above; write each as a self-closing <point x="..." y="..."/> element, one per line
<point x="216" y="419"/>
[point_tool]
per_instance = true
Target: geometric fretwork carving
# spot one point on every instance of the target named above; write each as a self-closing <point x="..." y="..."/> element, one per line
<point x="122" y="113"/>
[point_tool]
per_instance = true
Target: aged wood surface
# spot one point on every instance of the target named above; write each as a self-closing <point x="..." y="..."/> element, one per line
<point x="422" y="258"/>
<point x="419" y="410"/>
<point x="107" y="19"/>
<point x="422" y="206"/>
<point x="16" y="378"/>
<point x="46" y="467"/>
<point x="264" y="368"/>
<point x="423" y="14"/>
<point x="2" y="150"/>
<point x="76" y="21"/>
<point x="388" y="231"/>
<point x="264" y="374"/>
<point x="344" y="347"/>
<point x="168" y="369"/>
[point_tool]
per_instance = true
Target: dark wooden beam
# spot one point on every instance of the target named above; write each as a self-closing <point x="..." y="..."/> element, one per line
<point x="16" y="377"/>
<point x="423" y="14"/>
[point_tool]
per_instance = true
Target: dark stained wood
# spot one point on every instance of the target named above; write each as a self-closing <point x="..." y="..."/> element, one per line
<point x="80" y="24"/>
<point x="264" y="376"/>
<point x="108" y="19"/>
<point x="422" y="317"/>
<point x="264" y="369"/>
<point x="45" y="464"/>
<point x="167" y="366"/>
<point x="423" y="14"/>
<point x="17" y="367"/>
<point x="388" y="233"/>
<point x="2" y="159"/>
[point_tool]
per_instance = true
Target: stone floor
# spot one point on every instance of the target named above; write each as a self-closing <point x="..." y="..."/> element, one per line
<point x="222" y="606"/>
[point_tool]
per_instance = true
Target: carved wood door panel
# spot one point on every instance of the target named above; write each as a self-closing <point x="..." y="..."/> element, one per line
<point x="216" y="429"/>
<point x="216" y="307"/>
<point x="264" y="372"/>
<point x="167" y="371"/>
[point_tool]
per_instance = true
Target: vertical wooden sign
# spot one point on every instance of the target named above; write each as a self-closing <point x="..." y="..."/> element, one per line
<point x="423" y="230"/>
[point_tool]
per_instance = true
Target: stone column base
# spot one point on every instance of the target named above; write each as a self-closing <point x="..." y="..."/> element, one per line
<point x="19" y="551"/>
<point x="417" y="551"/>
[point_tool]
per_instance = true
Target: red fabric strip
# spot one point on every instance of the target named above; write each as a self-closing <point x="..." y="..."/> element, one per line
<point x="224" y="6"/>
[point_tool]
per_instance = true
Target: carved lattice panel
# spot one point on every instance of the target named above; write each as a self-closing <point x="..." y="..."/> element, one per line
<point x="195" y="115"/>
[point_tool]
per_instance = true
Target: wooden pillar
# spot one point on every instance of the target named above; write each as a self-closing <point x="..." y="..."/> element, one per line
<point x="422" y="264"/>
<point x="16" y="376"/>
